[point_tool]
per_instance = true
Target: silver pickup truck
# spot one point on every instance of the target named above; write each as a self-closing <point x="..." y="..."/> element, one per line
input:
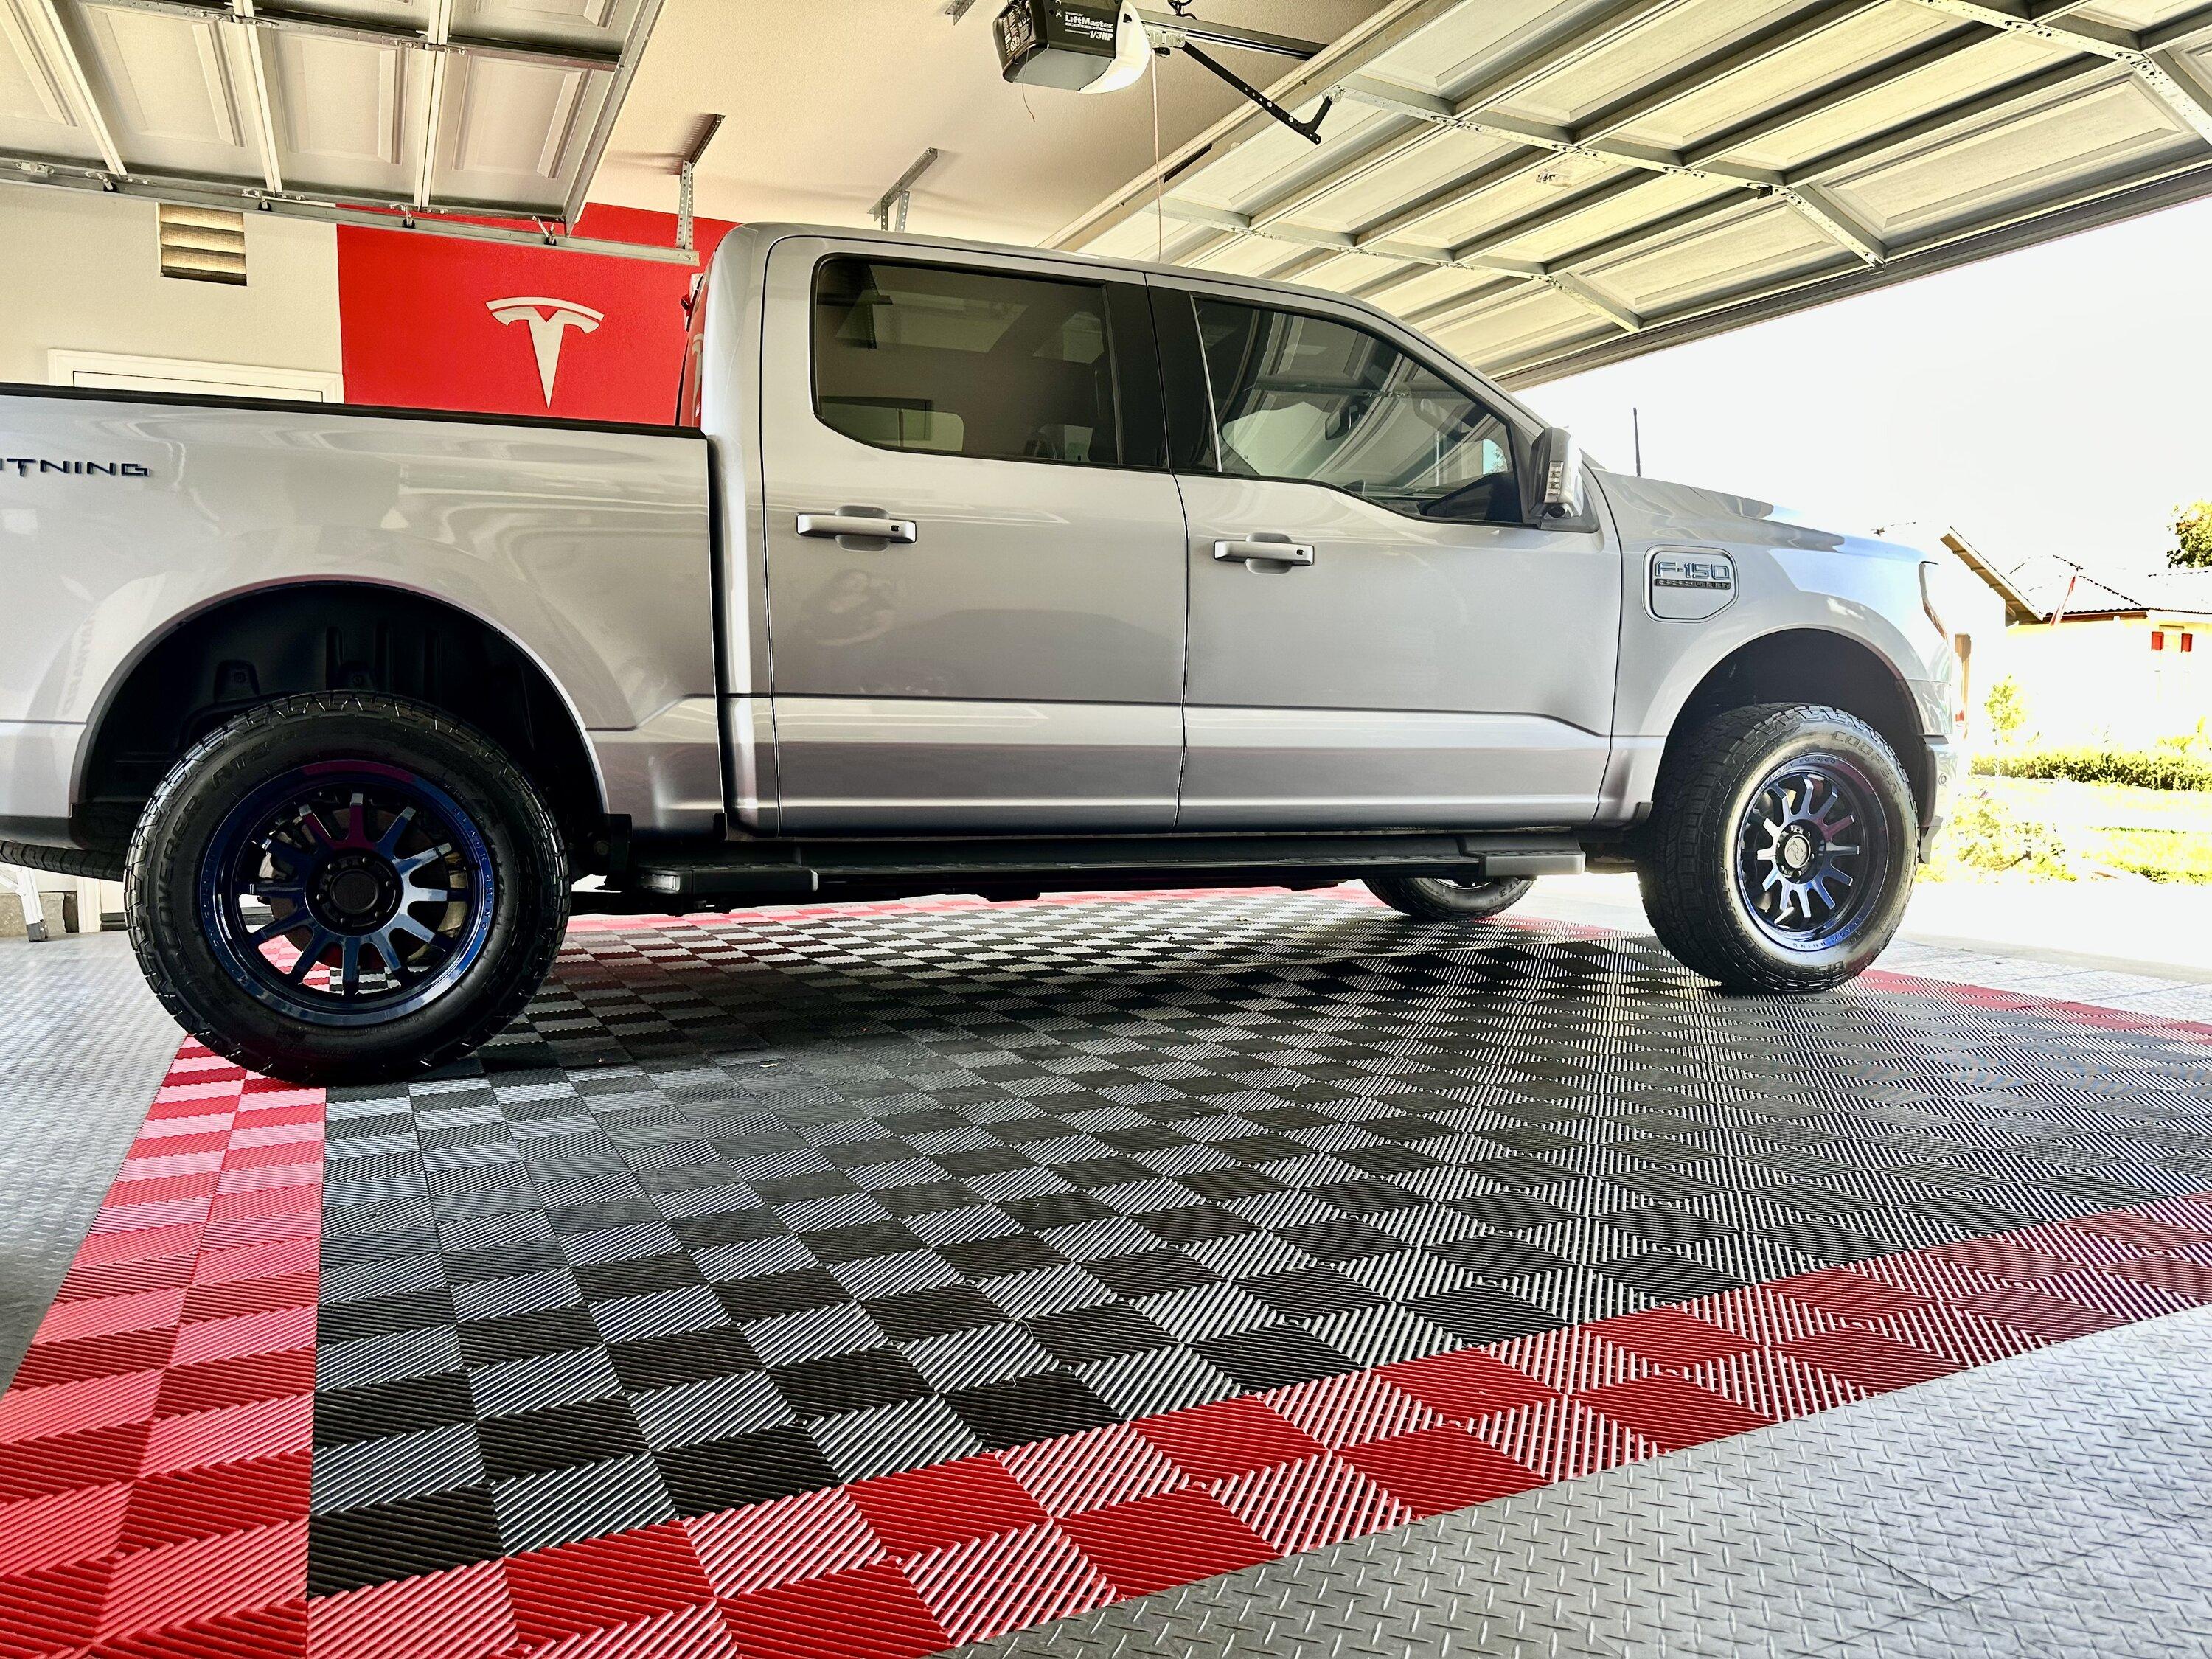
<point x="965" y="570"/>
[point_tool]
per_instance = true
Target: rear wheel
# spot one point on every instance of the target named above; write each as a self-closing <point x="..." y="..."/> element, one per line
<point x="1781" y="849"/>
<point x="1438" y="898"/>
<point x="345" y="888"/>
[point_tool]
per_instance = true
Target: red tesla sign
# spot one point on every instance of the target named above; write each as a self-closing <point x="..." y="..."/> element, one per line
<point x="439" y="322"/>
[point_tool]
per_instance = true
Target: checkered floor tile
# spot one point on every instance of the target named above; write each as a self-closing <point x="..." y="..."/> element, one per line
<point x="757" y="1209"/>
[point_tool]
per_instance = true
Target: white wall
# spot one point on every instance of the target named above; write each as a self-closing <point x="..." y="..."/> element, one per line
<point x="82" y="272"/>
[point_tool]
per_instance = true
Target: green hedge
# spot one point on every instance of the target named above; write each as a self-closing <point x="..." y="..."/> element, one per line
<point x="2145" y="769"/>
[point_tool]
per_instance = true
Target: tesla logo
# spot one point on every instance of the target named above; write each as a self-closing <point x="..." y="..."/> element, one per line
<point x="549" y="320"/>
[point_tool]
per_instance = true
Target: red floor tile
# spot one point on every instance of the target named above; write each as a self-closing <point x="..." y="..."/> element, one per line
<point x="1672" y="1412"/>
<point x="605" y="1581"/>
<point x="1229" y="1437"/>
<point x="1438" y="1469"/>
<point x="1465" y="1385"/>
<point x="1177" y="1538"/>
<point x="1868" y="1360"/>
<point x="928" y="1509"/>
<point x="874" y="1611"/>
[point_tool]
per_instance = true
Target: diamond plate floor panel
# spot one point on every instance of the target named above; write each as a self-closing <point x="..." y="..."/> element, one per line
<point x="928" y="1271"/>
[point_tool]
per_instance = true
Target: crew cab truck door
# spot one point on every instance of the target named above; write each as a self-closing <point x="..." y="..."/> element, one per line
<point x="1378" y="637"/>
<point x="1005" y="652"/>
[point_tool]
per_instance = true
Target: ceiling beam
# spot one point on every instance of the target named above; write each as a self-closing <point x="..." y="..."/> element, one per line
<point x="1594" y="302"/>
<point x="78" y="86"/>
<point x="272" y="20"/>
<point x="40" y="171"/>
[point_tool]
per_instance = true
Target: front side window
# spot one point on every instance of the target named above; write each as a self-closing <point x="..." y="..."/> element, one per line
<point x="1319" y="401"/>
<point x="979" y="363"/>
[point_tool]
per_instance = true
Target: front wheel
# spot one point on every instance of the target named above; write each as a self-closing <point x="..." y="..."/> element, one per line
<point x="345" y="888"/>
<point x="1438" y="898"/>
<point x="1781" y="849"/>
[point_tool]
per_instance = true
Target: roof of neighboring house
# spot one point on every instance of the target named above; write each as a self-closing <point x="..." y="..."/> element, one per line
<point x="2047" y="587"/>
<point x="2019" y="607"/>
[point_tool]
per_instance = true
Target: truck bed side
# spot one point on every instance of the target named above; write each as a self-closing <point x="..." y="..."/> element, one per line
<point x="123" y="519"/>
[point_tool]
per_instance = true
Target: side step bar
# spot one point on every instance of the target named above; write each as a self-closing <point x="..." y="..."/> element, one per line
<point x="743" y="873"/>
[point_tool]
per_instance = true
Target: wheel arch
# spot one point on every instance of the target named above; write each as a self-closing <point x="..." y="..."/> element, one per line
<point x="252" y="646"/>
<point x="1812" y="665"/>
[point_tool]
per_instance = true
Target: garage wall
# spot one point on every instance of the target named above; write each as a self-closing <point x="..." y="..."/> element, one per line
<point x="83" y="273"/>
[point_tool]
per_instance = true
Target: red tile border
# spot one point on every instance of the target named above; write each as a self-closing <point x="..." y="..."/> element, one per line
<point x="155" y="1449"/>
<point x="157" y="1439"/>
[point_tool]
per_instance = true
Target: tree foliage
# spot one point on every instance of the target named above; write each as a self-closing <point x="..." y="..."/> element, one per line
<point x="2192" y="536"/>
<point x="2007" y="709"/>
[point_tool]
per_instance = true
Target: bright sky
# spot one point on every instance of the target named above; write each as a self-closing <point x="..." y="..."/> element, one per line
<point x="2055" y="400"/>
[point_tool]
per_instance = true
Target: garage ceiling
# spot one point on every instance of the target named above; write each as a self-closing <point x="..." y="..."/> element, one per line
<point x="828" y="101"/>
<point x="472" y="105"/>
<point x="1547" y="186"/>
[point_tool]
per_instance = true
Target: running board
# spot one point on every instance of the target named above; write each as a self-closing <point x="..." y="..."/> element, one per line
<point x="773" y="872"/>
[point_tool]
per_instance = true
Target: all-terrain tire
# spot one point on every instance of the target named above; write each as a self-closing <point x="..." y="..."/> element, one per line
<point x="172" y="842"/>
<point x="1688" y="867"/>
<point x="1433" y="898"/>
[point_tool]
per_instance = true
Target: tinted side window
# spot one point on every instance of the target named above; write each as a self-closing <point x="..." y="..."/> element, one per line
<point x="1313" y="400"/>
<point x="964" y="362"/>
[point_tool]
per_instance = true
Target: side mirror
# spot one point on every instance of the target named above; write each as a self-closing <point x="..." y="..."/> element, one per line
<point x="1561" y="499"/>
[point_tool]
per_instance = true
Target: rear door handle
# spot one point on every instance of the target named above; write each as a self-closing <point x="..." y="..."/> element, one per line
<point x="1258" y="550"/>
<point x="858" y="524"/>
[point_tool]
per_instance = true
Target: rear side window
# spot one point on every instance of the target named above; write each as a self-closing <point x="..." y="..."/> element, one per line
<point x="978" y="363"/>
<point x="1320" y="401"/>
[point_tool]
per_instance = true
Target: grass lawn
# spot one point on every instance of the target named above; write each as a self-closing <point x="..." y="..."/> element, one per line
<point x="2068" y="806"/>
<point x="2161" y="854"/>
<point x="2101" y="829"/>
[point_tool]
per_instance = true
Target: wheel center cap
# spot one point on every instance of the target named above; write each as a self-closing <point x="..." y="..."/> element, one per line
<point x="355" y="894"/>
<point x="1797" y="851"/>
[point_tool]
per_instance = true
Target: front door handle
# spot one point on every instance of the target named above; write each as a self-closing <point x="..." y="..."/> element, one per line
<point x="858" y="524"/>
<point x="1262" y="549"/>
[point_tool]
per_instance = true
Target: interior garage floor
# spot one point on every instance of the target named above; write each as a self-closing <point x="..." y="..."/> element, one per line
<point x="867" y="1281"/>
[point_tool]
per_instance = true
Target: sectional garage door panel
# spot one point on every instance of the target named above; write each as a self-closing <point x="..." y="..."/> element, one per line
<point x="494" y="104"/>
<point x="1547" y="185"/>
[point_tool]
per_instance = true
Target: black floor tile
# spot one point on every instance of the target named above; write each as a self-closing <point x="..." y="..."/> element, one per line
<point x="850" y="1382"/>
<point x="749" y="1468"/>
<point x="375" y="1546"/>
<point x="1039" y="1407"/>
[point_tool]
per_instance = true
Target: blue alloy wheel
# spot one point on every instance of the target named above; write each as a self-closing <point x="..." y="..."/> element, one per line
<point x="348" y="893"/>
<point x="1813" y="852"/>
